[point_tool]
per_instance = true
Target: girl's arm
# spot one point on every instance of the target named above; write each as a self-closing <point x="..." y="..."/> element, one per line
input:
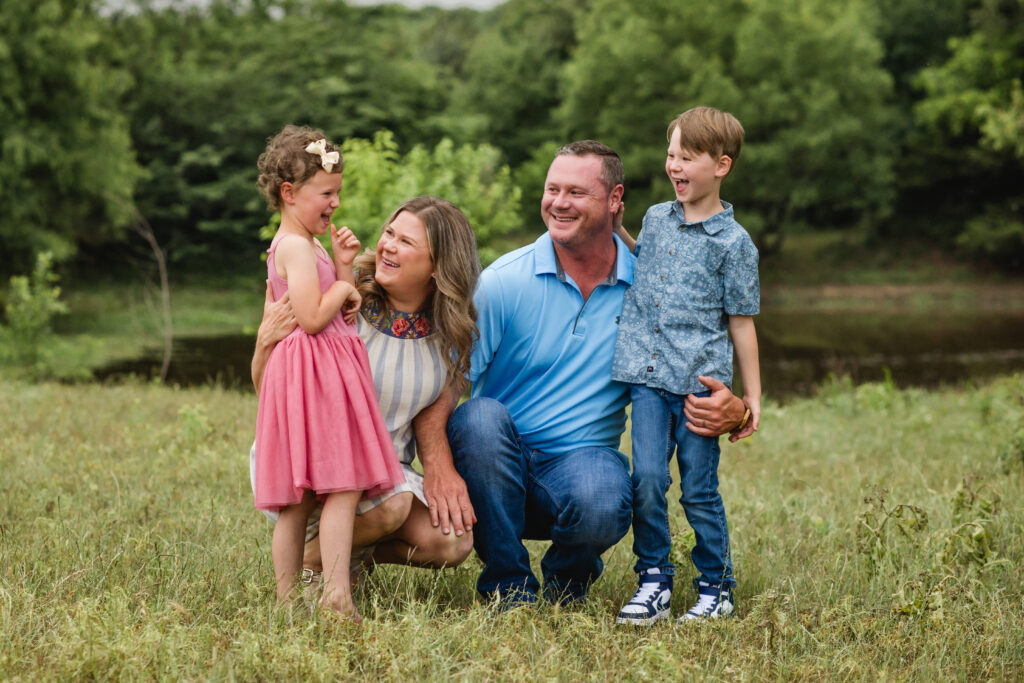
<point x="345" y="248"/>
<point x="744" y="338"/>
<point x="277" y="323"/>
<point x="296" y="262"/>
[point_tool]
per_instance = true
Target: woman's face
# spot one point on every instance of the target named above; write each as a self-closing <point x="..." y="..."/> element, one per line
<point x="404" y="266"/>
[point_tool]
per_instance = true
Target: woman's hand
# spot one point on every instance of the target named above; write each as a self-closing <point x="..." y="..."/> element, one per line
<point x="278" y="322"/>
<point x="278" y="319"/>
<point x="344" y="246"/>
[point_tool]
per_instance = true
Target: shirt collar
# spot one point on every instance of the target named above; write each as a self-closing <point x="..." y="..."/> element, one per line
<point x="712" y="225"/>
<point x="546" y="261"/>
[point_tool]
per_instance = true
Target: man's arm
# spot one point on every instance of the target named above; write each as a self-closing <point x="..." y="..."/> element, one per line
<point x="278" y="322"/>
<point x="447" y="497"/>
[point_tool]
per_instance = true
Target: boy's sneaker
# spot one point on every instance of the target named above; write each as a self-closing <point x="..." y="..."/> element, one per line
<point x="651" y="602"/>
<point x="713" y="602"/>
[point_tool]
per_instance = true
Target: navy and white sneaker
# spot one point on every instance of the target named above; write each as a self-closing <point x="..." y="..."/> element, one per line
<point x="714" y="601"/>
<point x="651" y="602"/>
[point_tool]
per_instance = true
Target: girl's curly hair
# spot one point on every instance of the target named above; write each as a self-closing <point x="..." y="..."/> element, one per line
<point x="285" y="160"/>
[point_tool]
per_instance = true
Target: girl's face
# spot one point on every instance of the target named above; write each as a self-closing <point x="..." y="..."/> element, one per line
<point x="314" y="202"/>
<point x="404" y="266"/>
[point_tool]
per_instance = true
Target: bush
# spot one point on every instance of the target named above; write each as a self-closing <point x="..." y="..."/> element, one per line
<point x="32" y="303"/>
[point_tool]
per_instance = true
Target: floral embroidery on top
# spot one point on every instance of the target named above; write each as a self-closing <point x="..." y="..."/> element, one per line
<point x="397" y="323"/>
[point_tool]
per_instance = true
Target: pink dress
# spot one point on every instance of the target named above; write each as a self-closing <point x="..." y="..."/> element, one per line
<point x="319" y="426"/>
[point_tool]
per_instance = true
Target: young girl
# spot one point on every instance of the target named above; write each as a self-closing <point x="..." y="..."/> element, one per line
<point x="319" y="431"/>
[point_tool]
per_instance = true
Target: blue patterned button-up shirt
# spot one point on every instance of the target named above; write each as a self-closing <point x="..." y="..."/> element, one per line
<point x="689" y="278"/>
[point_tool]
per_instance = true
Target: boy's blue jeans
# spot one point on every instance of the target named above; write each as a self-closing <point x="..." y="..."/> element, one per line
<point x="581" y="500"/>
<point x="659" y="428"/>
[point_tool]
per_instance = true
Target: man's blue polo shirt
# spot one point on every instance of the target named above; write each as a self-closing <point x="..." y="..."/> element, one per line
<point x="545" y="354"/>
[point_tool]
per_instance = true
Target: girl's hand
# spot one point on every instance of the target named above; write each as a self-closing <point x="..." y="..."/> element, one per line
<point x="755" y="419"/>
<point x="350" y="309"/>
<point x="344" y="245"/>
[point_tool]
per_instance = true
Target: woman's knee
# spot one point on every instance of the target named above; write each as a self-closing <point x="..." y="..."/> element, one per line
<point x="394" y="511"/>
<point x="450" y="550"/>
<point x="388" y="517"/>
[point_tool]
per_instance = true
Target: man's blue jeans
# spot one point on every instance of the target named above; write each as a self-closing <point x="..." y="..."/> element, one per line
<point x="581" y="500"/>
<point x="659" y="428"/>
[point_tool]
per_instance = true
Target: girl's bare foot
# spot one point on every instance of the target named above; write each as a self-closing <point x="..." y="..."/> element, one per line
<point x="340" y="604"/>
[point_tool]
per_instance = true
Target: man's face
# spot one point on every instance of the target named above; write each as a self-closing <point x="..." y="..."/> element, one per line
<point x="576" y="206"/>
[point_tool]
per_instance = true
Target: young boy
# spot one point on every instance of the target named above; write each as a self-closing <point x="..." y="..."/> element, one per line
<point x="695" y="285"/>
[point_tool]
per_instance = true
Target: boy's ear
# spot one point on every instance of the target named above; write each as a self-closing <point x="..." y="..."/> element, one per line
<point x="288" y="193"/>
<point x="724" y="166"/>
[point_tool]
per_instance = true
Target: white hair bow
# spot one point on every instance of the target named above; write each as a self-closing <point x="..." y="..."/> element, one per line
<point x="327" y="159"/>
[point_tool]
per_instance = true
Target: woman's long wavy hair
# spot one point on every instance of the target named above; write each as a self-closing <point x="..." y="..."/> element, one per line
<point x="453" y="252"/>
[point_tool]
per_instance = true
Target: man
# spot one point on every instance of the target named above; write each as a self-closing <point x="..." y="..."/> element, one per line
<point x="537" y="444"/>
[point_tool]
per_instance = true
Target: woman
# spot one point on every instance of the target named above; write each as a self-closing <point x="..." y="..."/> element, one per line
<point x="418" y="323"/>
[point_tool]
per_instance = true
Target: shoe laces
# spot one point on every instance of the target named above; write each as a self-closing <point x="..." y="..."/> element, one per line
<point x="648" y="591"/>
<point x="705" y="604"/>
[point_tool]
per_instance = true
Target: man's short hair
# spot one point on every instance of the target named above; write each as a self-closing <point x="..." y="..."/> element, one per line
<point x="708" y="130"/>
<point x="612" y="173"/>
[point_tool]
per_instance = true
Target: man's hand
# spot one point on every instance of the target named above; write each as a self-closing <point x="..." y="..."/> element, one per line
<point x="713" y="415"/>
<point x="448" y="501"/>
<point x="445" y="491"/>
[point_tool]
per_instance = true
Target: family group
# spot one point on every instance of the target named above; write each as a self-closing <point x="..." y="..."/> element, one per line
<point x="362" y="358"/>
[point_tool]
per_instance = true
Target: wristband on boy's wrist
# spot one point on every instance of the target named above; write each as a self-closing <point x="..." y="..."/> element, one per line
<point x="743" y="422"/>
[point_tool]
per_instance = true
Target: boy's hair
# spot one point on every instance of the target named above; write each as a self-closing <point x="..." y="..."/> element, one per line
<point x="708" y="130"/>
<point x="285" y="160"/>
<point x="612" y="173"/>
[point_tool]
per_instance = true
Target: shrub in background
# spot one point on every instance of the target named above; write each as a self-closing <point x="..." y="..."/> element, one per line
<point x="32" y="302"/>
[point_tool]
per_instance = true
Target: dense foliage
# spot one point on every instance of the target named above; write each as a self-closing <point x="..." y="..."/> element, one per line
<point x="890" y="119"/>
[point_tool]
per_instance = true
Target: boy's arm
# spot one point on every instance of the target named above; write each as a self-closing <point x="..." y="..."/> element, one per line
<point x="744" y="338"/>
<point x="621" y="231"/>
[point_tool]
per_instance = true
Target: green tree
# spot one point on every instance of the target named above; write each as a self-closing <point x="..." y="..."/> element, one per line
<point x="213" y="83"/>
<point x="509" y="88"/>
<point x="803" y="76"/>
<point x="66" y="160"/>
<point x="974" y="108"/>
<point x="378" y="179"/>
<point x="472" y="177"/>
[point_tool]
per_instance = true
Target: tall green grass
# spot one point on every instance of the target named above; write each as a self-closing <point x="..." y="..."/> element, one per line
<point x="876" y="534"/>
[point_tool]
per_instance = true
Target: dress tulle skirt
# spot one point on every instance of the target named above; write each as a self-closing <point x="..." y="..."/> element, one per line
<point x="319" y="426"/>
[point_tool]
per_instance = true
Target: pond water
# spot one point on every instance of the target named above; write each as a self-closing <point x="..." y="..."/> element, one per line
<point x="798" y="351"/>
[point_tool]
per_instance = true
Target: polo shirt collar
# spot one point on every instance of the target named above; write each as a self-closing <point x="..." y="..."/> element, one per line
<point x="712" y="225"/>
<point x="546" y="261"/>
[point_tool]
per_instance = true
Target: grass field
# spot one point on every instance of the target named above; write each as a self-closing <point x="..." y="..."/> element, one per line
<point x="876" y="534"/>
